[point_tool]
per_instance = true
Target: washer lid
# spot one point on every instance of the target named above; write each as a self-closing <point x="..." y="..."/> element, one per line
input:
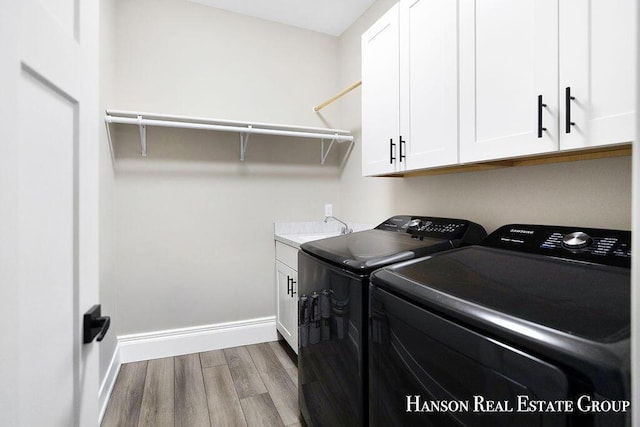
<point x="585" y="300"/>
<point x="364" y="251"/>
<point x="399" y="238"/>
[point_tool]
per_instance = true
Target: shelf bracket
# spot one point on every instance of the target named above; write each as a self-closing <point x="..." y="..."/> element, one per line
<point x="324" y="154"/>
<point x="244" y="141"/>
<point x="143" y="137"/>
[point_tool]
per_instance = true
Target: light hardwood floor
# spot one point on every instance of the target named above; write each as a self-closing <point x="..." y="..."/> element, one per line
<point x="254" y="385"/>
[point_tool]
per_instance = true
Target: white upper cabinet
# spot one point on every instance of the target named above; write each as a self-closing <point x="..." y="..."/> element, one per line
<point x="429" y="83"/>
<point x="448" y="82"/>
<point x="543" y="75"/>
<point x="597" y="65"/>
<point x="410" y="88"/>
<point x="381" y="96"/>
<point x="508" y="78"/>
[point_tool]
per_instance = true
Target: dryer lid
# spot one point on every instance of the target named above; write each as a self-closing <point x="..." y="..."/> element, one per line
<point x="586" y="300"/>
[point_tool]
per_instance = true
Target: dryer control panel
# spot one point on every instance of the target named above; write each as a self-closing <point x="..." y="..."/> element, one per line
<point x="420" y="227"/>
<point x="600" y="246"/>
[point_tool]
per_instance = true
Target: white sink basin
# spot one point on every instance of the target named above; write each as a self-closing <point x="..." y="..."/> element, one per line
<point x="303" y="238"/>
<point x="309" y="237"/>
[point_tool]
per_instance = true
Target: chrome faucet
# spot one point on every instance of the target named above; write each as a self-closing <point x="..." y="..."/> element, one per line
<point x="344" y="230"/>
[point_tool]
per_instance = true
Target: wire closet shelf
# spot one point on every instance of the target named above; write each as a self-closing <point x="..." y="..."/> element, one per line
<point x="244" y="129"/>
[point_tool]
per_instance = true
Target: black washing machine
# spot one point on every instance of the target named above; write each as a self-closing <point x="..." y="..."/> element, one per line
<point x="529" y="328"/>
<point x="333" y="283"/>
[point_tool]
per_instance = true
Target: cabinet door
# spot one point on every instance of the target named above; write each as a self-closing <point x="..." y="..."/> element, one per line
<point x="287" y="303"/>
<point x="429" y="82"/>
<point x="508" y="57"/>
<point x="381" y="96"/>
<point x="597" y="63"/>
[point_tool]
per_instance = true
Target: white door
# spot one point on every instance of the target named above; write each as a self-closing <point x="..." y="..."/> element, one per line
<point x="287" y="304"/>
<point x="508" y="61"/>
<point x="381" y="96"/>
<point x="48" y="211"/>
<point x="597" y="69"/>
<point x="429" y="82"/>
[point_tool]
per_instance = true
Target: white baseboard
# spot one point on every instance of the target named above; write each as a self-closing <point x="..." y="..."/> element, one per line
<point x="109" y="381"/>
<point x="175" y="342"/>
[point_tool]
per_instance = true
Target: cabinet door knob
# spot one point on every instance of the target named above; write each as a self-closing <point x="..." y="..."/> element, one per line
<point x="391" y="147"/>
<point x="540" y="105"/>
<point x="402" y="142"/>
<point x="567" y="103"/>
<point x="289" y="285"/>
<point x="293" y="282"/>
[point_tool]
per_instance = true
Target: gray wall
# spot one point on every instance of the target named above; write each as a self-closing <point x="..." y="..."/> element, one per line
<point x="593" y="193"/>
<point x="194" y="225"/>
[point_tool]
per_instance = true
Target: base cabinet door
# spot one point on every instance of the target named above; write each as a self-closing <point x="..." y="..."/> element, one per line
<point x="286" y="303"/>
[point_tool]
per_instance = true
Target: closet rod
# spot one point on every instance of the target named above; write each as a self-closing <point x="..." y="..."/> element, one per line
<point x="336" y="96"/>
<point x="213" y="121"/>
<point x="224" y="128"/>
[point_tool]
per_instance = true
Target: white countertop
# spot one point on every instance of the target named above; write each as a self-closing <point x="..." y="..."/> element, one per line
<point x="296" y="233"/>
<point x="296" y="240"/>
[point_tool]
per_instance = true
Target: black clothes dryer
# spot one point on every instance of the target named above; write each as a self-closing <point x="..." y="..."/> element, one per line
<point x="333" y="282"/>
<point x="529" y="328"/>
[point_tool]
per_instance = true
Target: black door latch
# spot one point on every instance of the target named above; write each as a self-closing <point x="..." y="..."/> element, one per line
<point x="94" y="326"/>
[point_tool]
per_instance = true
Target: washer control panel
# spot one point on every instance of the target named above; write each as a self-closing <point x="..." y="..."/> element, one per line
<point x="420" y="227"/>
<point x="600" y="246"/>
<point x="430" y="226"/>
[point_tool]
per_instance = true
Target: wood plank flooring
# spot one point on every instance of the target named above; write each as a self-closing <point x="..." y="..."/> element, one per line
<point x="253" y="385"/>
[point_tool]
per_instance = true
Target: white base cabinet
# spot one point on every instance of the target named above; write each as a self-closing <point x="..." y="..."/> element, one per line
<point x="287" y="293"/>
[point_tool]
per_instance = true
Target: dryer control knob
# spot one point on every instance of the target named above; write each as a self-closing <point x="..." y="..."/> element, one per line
<point x="576" y="240"/>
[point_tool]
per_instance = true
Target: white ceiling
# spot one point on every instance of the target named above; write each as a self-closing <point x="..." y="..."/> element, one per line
<point x="325" y="16"/>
